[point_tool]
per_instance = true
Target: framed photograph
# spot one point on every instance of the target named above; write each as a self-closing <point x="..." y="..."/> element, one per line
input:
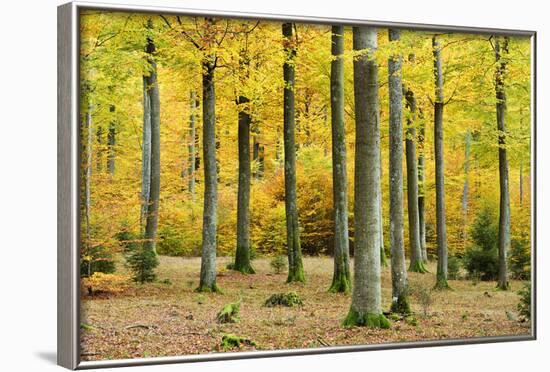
<point x="238" y="185"/>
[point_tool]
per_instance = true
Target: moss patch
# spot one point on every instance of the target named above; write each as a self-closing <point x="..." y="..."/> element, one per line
<point x="418" y="267"/>
<point x="284" y="299"/>
<point x="209" y="289"/>
<point x="230" y="341"/>
<point x="229" y="313"/>
<point x="401" y="305"/>
<point x="357" y="319"/>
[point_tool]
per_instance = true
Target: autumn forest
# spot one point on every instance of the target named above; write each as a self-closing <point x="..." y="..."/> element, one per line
<point x="262" y="185"/>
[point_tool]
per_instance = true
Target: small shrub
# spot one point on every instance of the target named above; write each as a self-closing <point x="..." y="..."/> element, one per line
<point x="482" y="263"/>
<point x="524" y="305"/>
<point x="230" y="341"/>
<point x="453" y="267"/>
<point x="289" y="299"/>
<point x="482" y="257"/>
<point x="520" y="259"/>
<point x="278" y="263"/>
<point x="229" y="313"/>
<point x="424" y="297"/>
<point x="142" y="262"/>
<point x="101" y="283"/>
<point x="411" y="320"/>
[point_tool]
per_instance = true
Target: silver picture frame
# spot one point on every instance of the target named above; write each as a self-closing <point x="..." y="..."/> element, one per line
<point x="68" y="155"/>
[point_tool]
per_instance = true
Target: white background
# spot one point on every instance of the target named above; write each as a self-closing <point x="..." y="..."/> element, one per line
<point x="28" y="184"/>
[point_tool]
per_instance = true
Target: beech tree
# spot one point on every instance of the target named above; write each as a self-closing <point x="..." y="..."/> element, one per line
<point x="400" y="302"/>
<point x="366" y="309"/>
<point x="501" y="51"/>
<point x="421" y="186"/>
<point x="295" y="265"/>
<point x="417" y="262"/>
<point x="341" y="280"/>
<point x="441" y="227"/>
<point x="191" y="144"/>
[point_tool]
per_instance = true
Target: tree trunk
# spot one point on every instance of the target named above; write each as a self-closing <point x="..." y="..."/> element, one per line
<point x="466" y="188"/>
<point x="501" y="52"/>
<point x="100" y="150"/>
<point x="210" y="209"/>
<point x="417" y="262"/>
<point x="145" y="155"/>
<point x="341" y="280"/>
<point x="258" y="156"/>
<point x="521" y="162"/>
<point x="383" y="260"/>
<point x="400" y="302"/>
<point x="295" y="266"/>
<point x="421" y="186"/>
<point x="366" y="307"/>
<point x="154" y="191"/>
<point x="111" y="143"/>
<point x="242" y="255"/>
<point x="191" y="145"/>
<point x="87" y="190"/>
<point x="441" y="227"/>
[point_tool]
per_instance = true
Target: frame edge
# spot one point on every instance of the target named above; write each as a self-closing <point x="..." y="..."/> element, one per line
<point x="67" y="333"/>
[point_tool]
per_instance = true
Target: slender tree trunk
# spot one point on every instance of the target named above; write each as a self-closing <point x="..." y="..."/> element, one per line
<point x="100" y="150"/>
<point x="258" y="156"/>
<point x="383" y="259"/>
<point x="521" y="162"/>
<point x="501" y="52"/>
<point x="295" y="266"/>
<point x="366" y="307"/>
<point x="242" y="255"/>
<point x="191" y="145"/>
<point x="400" y="301"/>
<point x="210" y="209"/>
<point x="466" y="188"/>
<point x="87" y="190"/>
<point x="341" y="280"/>
<point x="154" y="191"/>
<point x="111" y="143"/>
<point x="441" y="226"/>
<point x="417" y="262"/>
<point x="146" y="156"/>
<point x="521" y="182"/>
<point x="421" y="186"/>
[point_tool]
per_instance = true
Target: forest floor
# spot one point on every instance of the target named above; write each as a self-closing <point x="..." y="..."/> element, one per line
<point x="170" y="319"/>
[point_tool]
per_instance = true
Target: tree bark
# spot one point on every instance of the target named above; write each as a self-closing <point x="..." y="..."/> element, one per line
<point x="441" y="227"/>
<point x="295" y="266"/>
<point x="88" y="179"/>
<point x="366" y="307"/>
<point x="145" y="155"/>
<point x="242" y="254"/>
<point x="501" y="52"/>
<point x="100" y="150"/>
<point x="210" y="209"/>
<point x="417" y="262"/>
<point x="383" y="259"/>
<point x="400" y="302"/>
<point x="466" y="188"/>
<point x="341" y="280"/>
<point x="151" y="223"/>
<point x="191" y="144"/>
<point x="421" y="186"/>
<point x="111" y="143"/>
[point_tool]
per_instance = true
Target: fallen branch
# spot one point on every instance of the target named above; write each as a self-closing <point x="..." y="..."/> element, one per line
<point x="142" y="326"/>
